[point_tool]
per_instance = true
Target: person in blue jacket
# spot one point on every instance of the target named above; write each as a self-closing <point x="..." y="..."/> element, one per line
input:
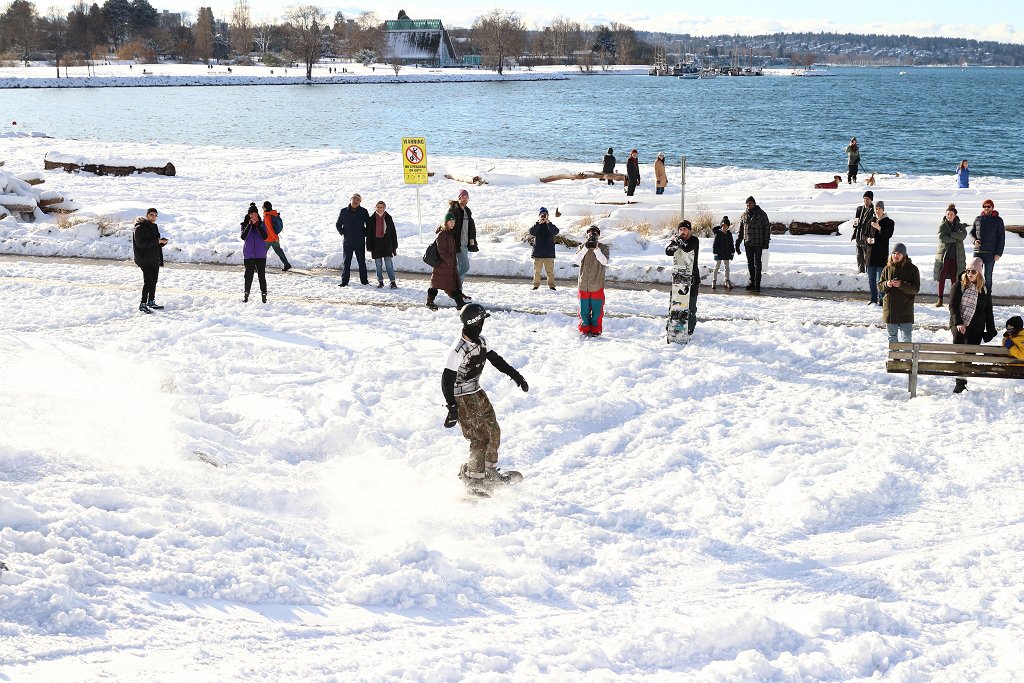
<point x="543" y="234"/>
<point x="352" y="225"/>
<point x="963" y="175"/>
<point x="254" y="253"/>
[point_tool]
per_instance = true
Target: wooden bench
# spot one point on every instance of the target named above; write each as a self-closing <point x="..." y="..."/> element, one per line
<point x="953" y="360"/>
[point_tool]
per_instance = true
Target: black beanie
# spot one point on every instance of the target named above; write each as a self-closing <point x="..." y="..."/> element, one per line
<point x="1016" y="323"/>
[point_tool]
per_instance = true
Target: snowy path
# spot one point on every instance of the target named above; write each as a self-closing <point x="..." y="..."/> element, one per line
<point x="765" y="504"/>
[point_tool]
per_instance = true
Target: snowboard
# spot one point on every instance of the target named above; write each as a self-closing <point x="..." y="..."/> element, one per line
<point x="480" y="488"/>
<point x="682" y="303"/>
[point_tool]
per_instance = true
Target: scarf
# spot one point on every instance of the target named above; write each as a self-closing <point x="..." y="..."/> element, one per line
<point x="968" y="304"/>
<point x="380" y="226"/>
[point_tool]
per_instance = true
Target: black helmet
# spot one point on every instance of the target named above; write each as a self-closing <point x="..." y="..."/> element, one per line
<point x="473" y="315"/>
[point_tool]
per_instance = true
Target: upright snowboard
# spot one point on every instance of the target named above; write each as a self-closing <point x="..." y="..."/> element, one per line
<point x="682" y="303"/>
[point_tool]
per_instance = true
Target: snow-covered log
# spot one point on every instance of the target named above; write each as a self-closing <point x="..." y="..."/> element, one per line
<point x="472" y="180"/>
<point x="100" y="167"/>
<point x="584" y="175"/>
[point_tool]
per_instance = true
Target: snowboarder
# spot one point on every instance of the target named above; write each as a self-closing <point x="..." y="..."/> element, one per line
<point x="148" y="250"/>
<point x="685" y="279"/>
<point x="469" y="406"/>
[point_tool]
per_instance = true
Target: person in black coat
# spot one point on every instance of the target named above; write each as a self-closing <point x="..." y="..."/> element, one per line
<point x="723" y="249"/>
<point x="148" y="251"/>
<point x="877" y="235"/>
<point x="609" y="164"/>
<point x="543" y="234"/>
<point x="970" y="311"/>
<point x="632" y="172"/>
<point x="351" y="225"/>
<point x="382" y="243"/>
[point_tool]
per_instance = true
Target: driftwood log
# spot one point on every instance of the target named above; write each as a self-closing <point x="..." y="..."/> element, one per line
<point x="105" y="169"/>
<point x="584" y="175"/>
<point x="823" y="228"/>
<point x="1019" y="229"/>
<point x="472" y="180"/>
<point x="15" y="203"/>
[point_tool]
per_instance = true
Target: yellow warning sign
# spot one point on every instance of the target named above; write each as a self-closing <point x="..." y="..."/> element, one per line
<point x="414" y="160"/>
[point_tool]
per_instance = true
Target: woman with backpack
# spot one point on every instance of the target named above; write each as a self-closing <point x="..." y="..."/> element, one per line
<point x="275" y="226"/>
<point x="446" y="272"/>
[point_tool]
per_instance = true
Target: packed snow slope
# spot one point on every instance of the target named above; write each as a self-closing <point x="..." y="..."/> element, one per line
<point x="227" y="491"/>
<point x="201" y="207"/>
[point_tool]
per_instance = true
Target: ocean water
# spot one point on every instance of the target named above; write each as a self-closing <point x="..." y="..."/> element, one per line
<point x="910" y="120"/>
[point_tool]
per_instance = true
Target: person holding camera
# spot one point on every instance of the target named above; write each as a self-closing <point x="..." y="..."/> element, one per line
<point x="592" y="258"/>
<point x="543" y="234"/>
<point x="878" y="233"/>
<point x="901" y="281"/>
<point x="861" y="222"/>
<point x="685" y="242"/>
<point x="254" y="252"/>
<point x="1013" y="338"/>
<point x="468" y="404"/>
<point x="148" y="252"/>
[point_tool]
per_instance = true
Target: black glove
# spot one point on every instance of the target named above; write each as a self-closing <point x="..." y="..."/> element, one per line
<point x="520" y="382"/>
<point x="453" y="416"/>
<point x="766" y="245"/>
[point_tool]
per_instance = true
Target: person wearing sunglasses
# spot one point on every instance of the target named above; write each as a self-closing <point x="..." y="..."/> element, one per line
<point x="970" y="311"/>
<point x="989" y="234"/>
<point x="1013" y="338"/>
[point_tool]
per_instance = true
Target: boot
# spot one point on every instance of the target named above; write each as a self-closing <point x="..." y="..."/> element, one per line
<point x="394" y="285"/>
<point x="154" y="305"/>
<point x="460" y="300"/>
<point x="245" y="299"/>
<point x="264" y="296"/>
<point x="286" y="268"/>
<point x="961" y="386"/>
<point x="938" y="302"/>
<point x="143" y="308"/>
<point x="714" y="285"/>
<point x="431" y="294"/>
<point x="728" y="285"/>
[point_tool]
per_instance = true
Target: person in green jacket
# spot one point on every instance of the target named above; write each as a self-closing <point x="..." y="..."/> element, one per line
<point x="950" y="259"/>
<point x="901" y="281"/>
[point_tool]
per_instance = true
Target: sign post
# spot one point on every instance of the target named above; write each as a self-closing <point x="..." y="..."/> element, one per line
<point x="414" y="164"/>
<point x="682" y="195"/>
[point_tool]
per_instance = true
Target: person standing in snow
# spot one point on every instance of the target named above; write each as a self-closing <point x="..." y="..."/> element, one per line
<point x="592" y="258"/>
<point x="254" y="253"/>
<point x="950" y="257"/>
<point x="879" y="233"/>
<point x="852" y="161"/>
<point x="465" y="234"/>
<point x="861" y="221"/>
<point x="901" y="281"/>
<point x="446" y="273"/>
<point x="963" y="175"/>
<point x="989" y="235"/>
<point x="467" y="402"/>
<point x="382" y="243"/>
<point x="723" y="249"/>
<point x="274" y="225"/>
<point x="686" y="242"/>
<point x="543" y="234"/>
<point x="352" y="225"/>
<point x="756" y="234"/>
<point x="609" y="164"/>
<point x="148" y="251"/>
<point x="660" y="177"/>
<point x="971" y="320"/>
<point x="632" y="172"/>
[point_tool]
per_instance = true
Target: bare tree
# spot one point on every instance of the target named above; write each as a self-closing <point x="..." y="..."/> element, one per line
<point x="263" y="33"/>
<point x="500" y="35"/>
<point x="625" y="42"/>
<point x="566" y="38"/>
<point x="242" y="28"/>
<point x="307" y="25"/>
<point x="55" y="27"/>
<point x="369" y="34"/>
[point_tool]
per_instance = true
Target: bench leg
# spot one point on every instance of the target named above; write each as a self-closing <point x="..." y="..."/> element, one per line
<point x="913" y="372"/>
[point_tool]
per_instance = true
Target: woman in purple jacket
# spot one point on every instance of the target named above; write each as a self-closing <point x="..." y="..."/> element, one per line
<point x="255" y="251"/>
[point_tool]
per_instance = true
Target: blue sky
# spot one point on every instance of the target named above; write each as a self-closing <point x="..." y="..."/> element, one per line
<point x="982" y="19"/>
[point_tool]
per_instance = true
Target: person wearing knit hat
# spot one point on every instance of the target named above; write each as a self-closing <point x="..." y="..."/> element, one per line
<point x="862" y="219"/>
<point x="609" y="164"/>
<point x="989" y="234"/>
<point x="723" y="250"/>
<point x="853" y="161"/>
<point x="950" y="258"/>
<point x="683" y="249"/>
<point x="1013" y="338"/>
<point x="970" y="311"/>
<point x="592" y="258"/>
<point x="542" y="234"/>
<point x="660" y="177"/>
<point x="632" y="173"/>
<point x="464" y="234"/>
<point x="445" y="275"/>
<point x="900" y="282"/>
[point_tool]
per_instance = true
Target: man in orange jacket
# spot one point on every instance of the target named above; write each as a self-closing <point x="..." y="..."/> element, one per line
<point x="275" y="226"/>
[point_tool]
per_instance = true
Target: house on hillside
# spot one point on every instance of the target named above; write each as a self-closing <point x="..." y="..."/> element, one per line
<point x="419" y="41"/>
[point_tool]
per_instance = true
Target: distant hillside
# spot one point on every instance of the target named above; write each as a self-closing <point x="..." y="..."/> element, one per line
<point x="843" y="48"/>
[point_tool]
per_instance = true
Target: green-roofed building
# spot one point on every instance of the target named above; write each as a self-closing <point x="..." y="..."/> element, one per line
<point x="419" y="41"/>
